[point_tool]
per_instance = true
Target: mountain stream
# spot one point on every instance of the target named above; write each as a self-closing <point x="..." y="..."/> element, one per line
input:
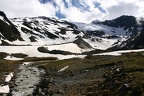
<point x="26" y="80"/>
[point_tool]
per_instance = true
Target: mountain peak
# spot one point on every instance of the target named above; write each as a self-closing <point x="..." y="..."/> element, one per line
<point x="2" y="14"/>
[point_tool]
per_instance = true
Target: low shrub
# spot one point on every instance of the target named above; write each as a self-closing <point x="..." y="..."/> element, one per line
<point x="19" y="55"/>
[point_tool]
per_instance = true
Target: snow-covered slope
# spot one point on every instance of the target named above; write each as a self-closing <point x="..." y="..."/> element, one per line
<point x="102" y="36"/>
<point x="40" y="31"/>
<point x="32" y="51"/>
<point x="124" y="32"/>
<point x="45" y="31"/>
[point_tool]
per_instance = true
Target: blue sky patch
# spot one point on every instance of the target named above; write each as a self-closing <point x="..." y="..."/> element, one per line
<point x="60" y="15"/>
<point x="98" y="5"/>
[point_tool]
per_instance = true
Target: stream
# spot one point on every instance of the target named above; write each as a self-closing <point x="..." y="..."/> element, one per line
<point x="26" y="79"/>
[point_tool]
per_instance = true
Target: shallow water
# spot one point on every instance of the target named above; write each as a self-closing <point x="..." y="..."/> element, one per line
<point x="26" y="79"/>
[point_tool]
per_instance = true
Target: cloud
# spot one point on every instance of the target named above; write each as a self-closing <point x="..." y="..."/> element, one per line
<point x="112" y="9"/>
<point x="73" y="14"/>
<point x="121" y="9"/>
<point x="24" y="8"/>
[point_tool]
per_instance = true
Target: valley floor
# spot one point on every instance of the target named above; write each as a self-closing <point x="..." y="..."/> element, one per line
<point x="98" y="75"/>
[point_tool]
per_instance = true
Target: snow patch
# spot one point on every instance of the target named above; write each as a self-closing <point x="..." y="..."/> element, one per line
<point x="64" y="68"/>
<point x="32" y="51"/>
<point x="8" y="77"/>
<point x="71" y="47"/>
<point x="4" y="89"/>
<point x="12" y="58"/>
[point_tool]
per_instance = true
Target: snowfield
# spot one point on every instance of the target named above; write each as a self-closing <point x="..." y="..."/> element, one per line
<point x="103" y="45"/>
<point x="117" y="53"/>
<point x="100" y="27"/>
<point x="32" y="51"/>
<point x="71" y="47"/>
<point x="44" y="25"/>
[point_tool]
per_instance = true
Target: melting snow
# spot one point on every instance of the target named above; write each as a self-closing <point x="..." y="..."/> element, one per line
<point x="117" y="53"/>
<point x="12" y="58"/>
<point x="32" y="51"/>
<point x="4" y="89"/>
<point x="71" y="47"/>
<point x="64" y="68"/>
<point x="8" y="77"/>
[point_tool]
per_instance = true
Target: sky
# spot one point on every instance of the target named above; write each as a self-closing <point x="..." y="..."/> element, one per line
<point x="73" y="10"/>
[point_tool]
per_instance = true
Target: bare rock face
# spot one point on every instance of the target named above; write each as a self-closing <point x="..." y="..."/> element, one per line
<point x="8" y="29"/>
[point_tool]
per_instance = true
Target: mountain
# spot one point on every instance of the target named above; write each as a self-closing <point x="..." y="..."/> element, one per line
<point x="39" y="30"/>
<point x="127" y="30"/>
<point x="7" y="29"/>
<point x="134" y="31"/>
<point x="50" y="31"/>
<point x="124" y="32"/>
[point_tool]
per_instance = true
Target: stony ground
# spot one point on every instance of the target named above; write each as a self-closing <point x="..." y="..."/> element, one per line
<point x="93" y="76"/>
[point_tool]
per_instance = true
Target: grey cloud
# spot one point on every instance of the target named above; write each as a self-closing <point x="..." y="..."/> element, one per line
<point x="122" y="9"/>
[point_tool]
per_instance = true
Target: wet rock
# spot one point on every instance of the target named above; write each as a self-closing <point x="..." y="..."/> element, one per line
<point x="41" y="94"/>
<point x="124" y="89"/>
<point x="45" y="90"/>
<point x="39" y="90"/>
<point x="50" y="91"/>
